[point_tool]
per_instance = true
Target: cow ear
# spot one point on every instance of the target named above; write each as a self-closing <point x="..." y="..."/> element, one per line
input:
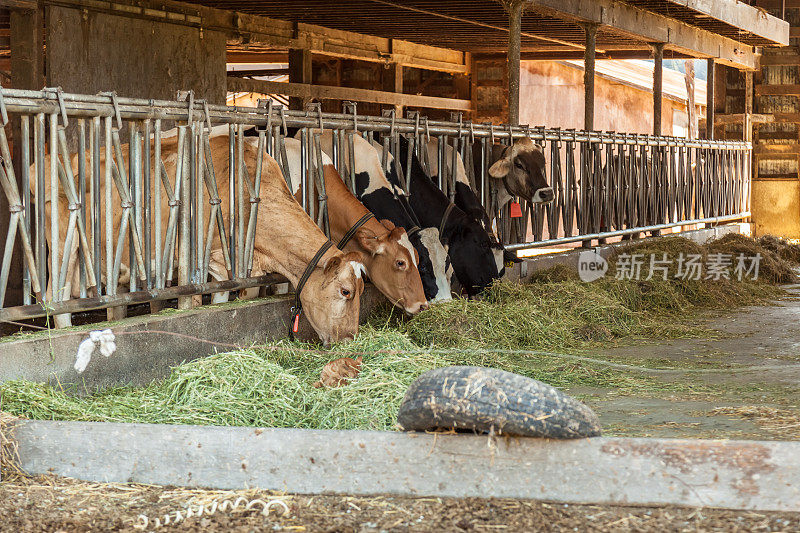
<point x="388" y="224"/>
<point x="369" y="241"/>
<point x="396" y="234"/>
<point x="500" y="169"/>
<point x="331" y="265"/>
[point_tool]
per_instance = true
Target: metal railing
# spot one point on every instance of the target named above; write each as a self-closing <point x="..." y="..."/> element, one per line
<point x="132" y="214"/>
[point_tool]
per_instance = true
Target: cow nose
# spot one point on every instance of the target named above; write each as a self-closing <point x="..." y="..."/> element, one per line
<point x="547" y="194"/>
<point x="414" y="309"/>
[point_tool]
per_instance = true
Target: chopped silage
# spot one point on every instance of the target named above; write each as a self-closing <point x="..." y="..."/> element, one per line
<point x="518" y="328"/>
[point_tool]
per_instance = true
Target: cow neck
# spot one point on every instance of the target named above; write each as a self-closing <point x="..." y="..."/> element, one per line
<point x="445" y="217"/>
<point x="288" y="237"/>
<point x="353" y="229"/>
<point x="346" y="213"/>
<point x="298" y="256"/>
<point x="503" y="196"/>
<point x="297" y="308"/>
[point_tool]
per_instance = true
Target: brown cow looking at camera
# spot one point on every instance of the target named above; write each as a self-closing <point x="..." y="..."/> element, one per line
<point x="390" y="259"/>
<point x="286" y="239"/>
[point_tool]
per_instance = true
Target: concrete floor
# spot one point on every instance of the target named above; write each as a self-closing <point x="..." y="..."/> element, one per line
<point x="750" y="363"/>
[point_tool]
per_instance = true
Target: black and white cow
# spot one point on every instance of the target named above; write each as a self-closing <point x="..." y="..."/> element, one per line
<point x="466" y="198"/>
<point x="386" y="202"/>
<point x="470" y="249"/>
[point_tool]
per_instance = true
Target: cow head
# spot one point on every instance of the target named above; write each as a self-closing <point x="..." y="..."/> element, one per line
<point x="393" y="266"/>
<point x="471" y="255"/>
<point x="522" y="169"/>
<point x="331" y="297"/>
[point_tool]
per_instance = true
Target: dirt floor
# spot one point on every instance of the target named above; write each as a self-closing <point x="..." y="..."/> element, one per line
<point x="743" y="381"/>
<point x="58" y="504"/>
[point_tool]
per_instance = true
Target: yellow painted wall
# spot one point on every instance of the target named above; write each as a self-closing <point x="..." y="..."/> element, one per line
<point x="776" y="207"/>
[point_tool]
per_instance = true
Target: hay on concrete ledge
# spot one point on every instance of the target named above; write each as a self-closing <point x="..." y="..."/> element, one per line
<point x="272" y="386"/>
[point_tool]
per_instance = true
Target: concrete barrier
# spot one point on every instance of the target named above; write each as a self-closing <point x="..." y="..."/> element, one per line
<point x="727" y="474"/>
<point x="148" y="346"/>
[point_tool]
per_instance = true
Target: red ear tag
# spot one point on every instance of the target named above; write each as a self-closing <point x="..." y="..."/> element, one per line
<point x="296" y="322"/>
<point x="515" y="211"/>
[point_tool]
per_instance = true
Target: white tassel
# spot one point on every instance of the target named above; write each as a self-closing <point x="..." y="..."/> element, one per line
<point x="105" y="339"/>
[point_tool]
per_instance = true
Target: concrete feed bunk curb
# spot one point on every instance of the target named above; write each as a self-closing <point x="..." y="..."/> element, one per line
<point x="727" y="474"/>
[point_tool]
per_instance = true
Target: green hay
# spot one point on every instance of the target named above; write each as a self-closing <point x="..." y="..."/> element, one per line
<point x="518" y="328"/>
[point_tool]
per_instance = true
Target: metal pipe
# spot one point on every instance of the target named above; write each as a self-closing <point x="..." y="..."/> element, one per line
<point x="25" y="312"/>
<point x="26" y="191"/>
<point x="184" y="252"/>
<point x="631" y="231"/>
<point x="27" y="102"/>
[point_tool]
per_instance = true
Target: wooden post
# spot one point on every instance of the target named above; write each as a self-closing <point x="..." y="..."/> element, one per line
<point x="748" y="106"/>
<point x="27" y="72"/>
<point x="514" y="44"/>
<point x="691" y="110"/>
<point x="393" y="82"/>
<point x="299" y="72"/>
<point x="588" y="76"/>
<point x="710" y="100"/>
<point x="658" y="85"/>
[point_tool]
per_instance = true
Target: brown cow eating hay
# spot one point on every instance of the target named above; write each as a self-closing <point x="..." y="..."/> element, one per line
<point x="286" y="239"/>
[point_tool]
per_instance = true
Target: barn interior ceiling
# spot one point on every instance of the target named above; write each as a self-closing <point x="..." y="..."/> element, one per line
<point x="728" y="30"/>
<point x="482" y="25"/>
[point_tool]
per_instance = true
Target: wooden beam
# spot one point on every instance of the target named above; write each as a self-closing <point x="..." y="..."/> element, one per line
<point x="780" y="59"/>
<point x="24" y="5"/>
<point x="791" y="89"/>
<point x="741" y="15"/>
<point x="765" y="149"/>
<point x="322" y="92"/>
<point x="642" y="25"/>
<point x="254" y="30"/>
<point x="748" y="106"/>
<point x="299" y="72"/>
<point x="710" y="103"/>
<point x="756" y="118"/>
<point x="266" y="56"/>
<point x="394" y="83"/>
<point x="27" y="72"/>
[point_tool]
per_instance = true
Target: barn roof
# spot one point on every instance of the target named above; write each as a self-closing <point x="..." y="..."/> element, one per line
<point x="555" y="27"/>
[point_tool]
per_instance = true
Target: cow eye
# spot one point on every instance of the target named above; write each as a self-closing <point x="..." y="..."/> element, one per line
<point x="518" y="164"/>
<point x="346" y="293"/>
<point x="401" y="263"/>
